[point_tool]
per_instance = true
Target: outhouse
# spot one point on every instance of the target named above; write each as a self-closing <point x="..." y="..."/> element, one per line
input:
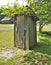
<point x="25" y="36"/>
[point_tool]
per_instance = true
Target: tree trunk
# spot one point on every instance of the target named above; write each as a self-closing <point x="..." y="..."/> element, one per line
<point x="40" y="27"/>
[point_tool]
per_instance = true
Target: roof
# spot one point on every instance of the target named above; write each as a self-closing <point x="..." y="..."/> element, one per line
<point x="34" y="16"/>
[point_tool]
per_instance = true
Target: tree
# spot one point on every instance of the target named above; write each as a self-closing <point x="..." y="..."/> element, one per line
<point x="43" y="10"/>
<point x="1" y="15"/>
<point x="41" y="7"/>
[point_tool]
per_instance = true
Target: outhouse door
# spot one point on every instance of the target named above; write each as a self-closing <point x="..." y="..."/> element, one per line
<point x="20" y="32"/>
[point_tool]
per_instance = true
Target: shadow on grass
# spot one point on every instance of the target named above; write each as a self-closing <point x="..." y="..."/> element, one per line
<point x="47" y="33"/>
<point x="43" y="48"/>
<point x="44" y="45"/>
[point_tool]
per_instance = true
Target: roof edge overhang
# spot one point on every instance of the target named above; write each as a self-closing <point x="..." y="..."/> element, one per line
<point x="34" y="16"/>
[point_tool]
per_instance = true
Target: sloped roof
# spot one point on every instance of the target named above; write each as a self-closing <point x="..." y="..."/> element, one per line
<point x="34" y="16"/>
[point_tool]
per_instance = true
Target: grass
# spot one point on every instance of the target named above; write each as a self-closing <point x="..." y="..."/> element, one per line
<point x="29" y="58"/>
<point x="47" y="27"/>
<point x="6" y="36"/>
<point x="6" y="25"/>
<point x="44" y="41"/>
<point x="41" y="55"/>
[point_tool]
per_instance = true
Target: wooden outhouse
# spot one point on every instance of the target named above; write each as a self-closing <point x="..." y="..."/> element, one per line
<point x="25" y="36"/>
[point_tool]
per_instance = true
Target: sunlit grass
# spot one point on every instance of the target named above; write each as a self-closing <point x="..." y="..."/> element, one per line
<point x="6" y="36"/>
<point x="47" y="27"/>
<point x="6" y="25"/>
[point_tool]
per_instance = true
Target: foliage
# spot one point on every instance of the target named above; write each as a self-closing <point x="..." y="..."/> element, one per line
<point x="42" y="9"/>
<point x="15" y="9"/>
<point x="1" y="15"/>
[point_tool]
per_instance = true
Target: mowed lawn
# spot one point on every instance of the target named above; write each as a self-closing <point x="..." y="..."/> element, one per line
<point x="44" y="40"/>
<point x="6" y="36"/>
<point x="47" y="27"/>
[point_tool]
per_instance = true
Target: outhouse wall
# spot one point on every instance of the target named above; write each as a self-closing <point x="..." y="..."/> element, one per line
<point x="25" y="32"/>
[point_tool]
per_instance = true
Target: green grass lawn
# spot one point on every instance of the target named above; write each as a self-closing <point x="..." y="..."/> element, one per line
<point x="6" y="36"/>
<point x="47" y="27"/>
<point x="6" y="25"/>
<point x="44" y="41"/>
<point x="40" y="55"/>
